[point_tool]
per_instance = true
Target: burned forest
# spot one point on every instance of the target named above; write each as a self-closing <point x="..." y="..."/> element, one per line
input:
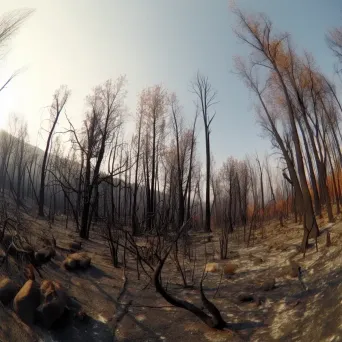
<point x="140" y="217"/>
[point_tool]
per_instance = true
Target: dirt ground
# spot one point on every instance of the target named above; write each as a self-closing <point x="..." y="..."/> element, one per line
<point x="289" y="312"/>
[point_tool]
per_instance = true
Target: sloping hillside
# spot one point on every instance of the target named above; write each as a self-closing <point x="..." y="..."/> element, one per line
<point x="290" y="311"/>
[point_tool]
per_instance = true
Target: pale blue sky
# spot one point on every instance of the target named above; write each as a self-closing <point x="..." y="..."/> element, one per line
<point x="82" y="43"/>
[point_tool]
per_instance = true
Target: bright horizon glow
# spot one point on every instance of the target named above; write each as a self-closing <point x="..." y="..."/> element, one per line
<point x="84" y="43"/>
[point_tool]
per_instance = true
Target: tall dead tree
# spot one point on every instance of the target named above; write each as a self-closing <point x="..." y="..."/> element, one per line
<point x="154" y="106"/>
<point x="206" y="97"/>
<point x="6" y="150"/>
<point x="270" y="183"/>
<point x="21" y="155"/>
<point x="10" y="23"/>
<point x="191" y="163"/>
<point x="59" y="100"/>
<point x="269" y="121"/>
<point x="103" y="119"/>
<point x="273" y="53"/>
<point x="177" y="128"/>
<point x="261" y="172"/>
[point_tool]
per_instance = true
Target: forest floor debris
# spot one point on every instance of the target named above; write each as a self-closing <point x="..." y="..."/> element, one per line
<point x="280" y="307"/>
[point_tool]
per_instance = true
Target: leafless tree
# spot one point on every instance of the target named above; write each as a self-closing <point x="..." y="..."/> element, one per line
<point x="10" y="23"/>
<point x="101" y="123"/>
<point x="334" y="41"/>
<point x="206" y="97"/>
<point x="274" y="54"/>
<point x="154" y="109"/>
<point x="213" y="319"/>
<point x="59" y="100"/>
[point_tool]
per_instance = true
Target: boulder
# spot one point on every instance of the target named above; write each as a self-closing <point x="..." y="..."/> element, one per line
<point x="8" y="290"/>
<point x="75" y="246"/>
<point x="229" y="268"/>
<point x="54" y="303"/>
<point x="47" y="290"/>
<point x="212" y="267"/>
<point x="76" y="261"/>
<point x="44" y="255"/>
<point x="26" y="302"/>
